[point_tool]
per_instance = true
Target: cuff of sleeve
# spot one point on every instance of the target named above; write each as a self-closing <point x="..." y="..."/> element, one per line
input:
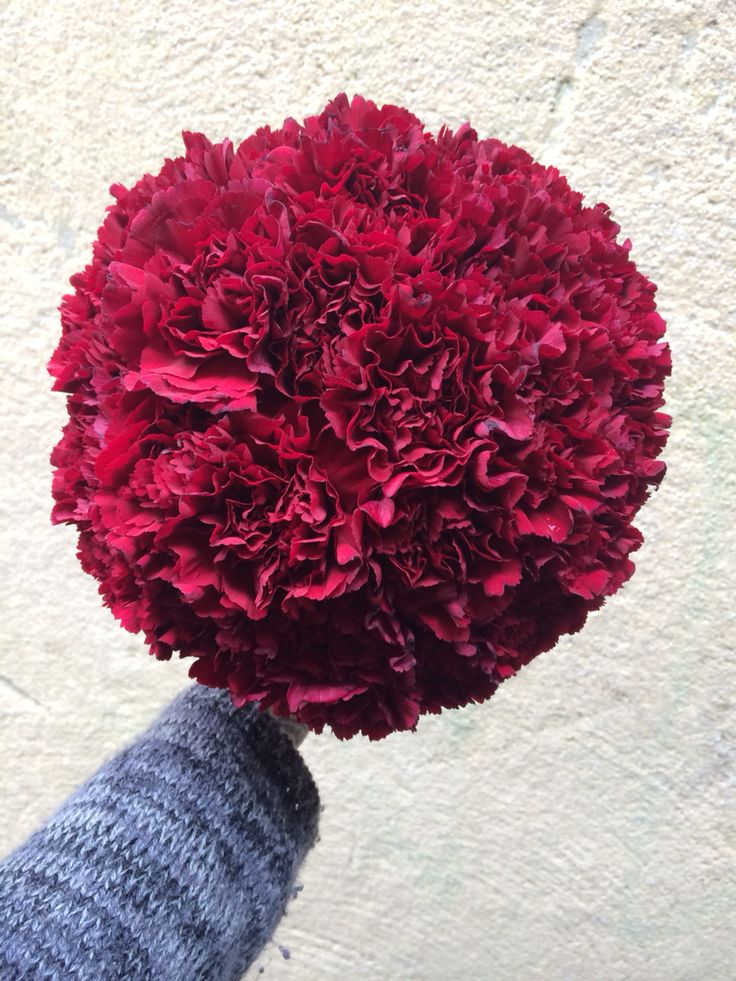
<point x="247" y="746"/>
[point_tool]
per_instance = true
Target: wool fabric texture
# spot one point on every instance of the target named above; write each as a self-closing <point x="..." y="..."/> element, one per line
<point x="173" y="862"/>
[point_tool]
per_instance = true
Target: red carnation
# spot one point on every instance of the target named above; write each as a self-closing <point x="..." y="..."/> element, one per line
<point x="359" y="417"/>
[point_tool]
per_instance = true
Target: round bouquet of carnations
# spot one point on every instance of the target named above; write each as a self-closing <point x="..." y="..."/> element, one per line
<point x="360" y="417"/>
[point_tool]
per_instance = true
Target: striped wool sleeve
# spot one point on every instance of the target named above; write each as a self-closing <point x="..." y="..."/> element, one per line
<point x="174" y="861"/>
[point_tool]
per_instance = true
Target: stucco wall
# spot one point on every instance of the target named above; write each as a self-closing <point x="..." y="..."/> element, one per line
<point x="580" y="826"/>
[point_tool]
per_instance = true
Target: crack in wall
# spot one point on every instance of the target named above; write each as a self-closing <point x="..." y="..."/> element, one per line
<point x="17" y="691"/>
<point x="589" y="35"/>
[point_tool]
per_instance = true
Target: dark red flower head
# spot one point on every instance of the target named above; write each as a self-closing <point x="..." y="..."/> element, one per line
<point x="359" y="417"/>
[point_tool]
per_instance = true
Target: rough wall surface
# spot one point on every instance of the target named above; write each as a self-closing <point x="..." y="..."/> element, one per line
<point x="580" y="825"/>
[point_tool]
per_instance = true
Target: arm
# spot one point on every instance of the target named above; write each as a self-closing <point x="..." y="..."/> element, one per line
<point x="174" y="861"/>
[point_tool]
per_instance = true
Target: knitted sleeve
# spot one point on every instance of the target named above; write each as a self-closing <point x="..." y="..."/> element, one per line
<point x="173" y="862"/>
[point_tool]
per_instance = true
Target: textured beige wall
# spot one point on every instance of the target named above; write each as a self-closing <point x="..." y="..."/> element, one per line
<point x="580" y="827"/>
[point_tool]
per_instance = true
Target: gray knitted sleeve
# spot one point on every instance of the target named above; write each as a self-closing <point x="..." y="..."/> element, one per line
<point x="173" y="862"/>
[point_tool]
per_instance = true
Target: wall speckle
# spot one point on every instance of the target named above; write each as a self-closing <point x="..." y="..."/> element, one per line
<point x="581" y="824"/>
